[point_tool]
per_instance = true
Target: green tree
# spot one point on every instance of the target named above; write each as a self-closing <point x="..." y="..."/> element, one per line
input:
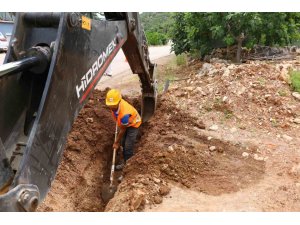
<point x="179" y="34"/>
<point x="155" y="38"/>
<point x="157" y="27"/>
<point x="205" y="31"/>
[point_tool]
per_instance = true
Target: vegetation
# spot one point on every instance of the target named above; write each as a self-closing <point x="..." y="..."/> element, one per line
<point x="7" y="16"/>
<point x="181" y="60"/>
<point x="155" y="38"/>
<point x="201" y="32"/>
<point x="157" y="27"/>
<point x="295" y="80"/>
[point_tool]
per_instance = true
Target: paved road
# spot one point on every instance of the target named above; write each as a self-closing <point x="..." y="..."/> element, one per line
<point x="119" y="64"/>
<point x="121" y="68"/>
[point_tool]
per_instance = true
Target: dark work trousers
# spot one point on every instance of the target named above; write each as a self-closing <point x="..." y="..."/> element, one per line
<point x="128" y="142"/>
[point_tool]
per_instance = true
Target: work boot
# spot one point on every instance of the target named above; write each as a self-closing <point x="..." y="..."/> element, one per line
<point x="120" y="166"/>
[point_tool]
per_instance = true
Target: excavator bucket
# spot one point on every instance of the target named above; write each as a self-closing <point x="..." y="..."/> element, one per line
<point x="149" y="99"/>
<point x="54" y="61"/>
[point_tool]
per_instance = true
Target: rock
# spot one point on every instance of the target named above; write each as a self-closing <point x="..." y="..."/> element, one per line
<point x="296" y="95"/>
<point x="284" y="72"/>
<point x="209" y="138"/>
<point x="200" y="91"/>
<point x="287" y="138"/>
<point x="164" y="190"/>
<point x="295" y="170"/>
<point x="267" y="96"/>
<point x="189" y="89"/>
<point x="213" y="127"/>
<point x="296" y="120"/>
<point x="217" y="60"/>
<point x="164" y="166"/>
<point x="224" y="99"/>
<point x="212" y="148"/>
<point x="206" y="68"/>
<point x="184" y="149"/>
<point x="156" y="180"/>
<point x="137" y="199"/>
<point x="250" y="95"/>
<point x="210" y="90"/>
<point x="245" y="154"/>
<point x="233" y="130"/>
<point x="144" y="181"/>
<point x="89" y="120"/>
<point x="170" y="148"/>
<point x="226" y="72"/>
<point x="157" y="199"/>
<point x="241" y="90"/>
<point x="258" y="158"/>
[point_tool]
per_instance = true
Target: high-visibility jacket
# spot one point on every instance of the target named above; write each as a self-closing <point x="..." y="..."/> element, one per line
<point x="127" y="110"/>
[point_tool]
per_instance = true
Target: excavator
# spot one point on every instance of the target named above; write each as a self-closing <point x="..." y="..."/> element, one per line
<point x="53" y="63"/>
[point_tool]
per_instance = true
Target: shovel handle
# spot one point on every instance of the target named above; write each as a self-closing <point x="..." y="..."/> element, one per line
<point x="113" y="167"/>
<point x="113" y="159"/>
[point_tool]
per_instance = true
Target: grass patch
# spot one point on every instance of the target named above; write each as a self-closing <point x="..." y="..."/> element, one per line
<point x="295" y="80"/>
<point x="166" y="72"/>
<point x="228" y="114"/>
<point x="181" y="60"/>
<point x="274" y="122"/>
<point x="282" y="93"/>
<point x="262" y="81"/>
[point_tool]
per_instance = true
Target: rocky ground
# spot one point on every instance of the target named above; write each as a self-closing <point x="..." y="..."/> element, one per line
<point x="225" y="137"/>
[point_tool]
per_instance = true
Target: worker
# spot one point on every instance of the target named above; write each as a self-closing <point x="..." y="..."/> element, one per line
<point x="128" y="121"/>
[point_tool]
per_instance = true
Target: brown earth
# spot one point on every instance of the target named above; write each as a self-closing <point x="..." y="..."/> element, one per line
<point x="225" y="139"/>
<point x="86" y="161"/>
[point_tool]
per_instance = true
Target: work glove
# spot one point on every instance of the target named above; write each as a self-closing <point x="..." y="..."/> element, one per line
<point x="116" y="145"/>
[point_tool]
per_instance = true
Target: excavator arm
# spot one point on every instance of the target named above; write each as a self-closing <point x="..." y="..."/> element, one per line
<point x="54" y="62"/>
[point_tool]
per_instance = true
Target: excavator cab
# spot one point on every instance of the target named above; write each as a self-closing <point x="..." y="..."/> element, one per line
<point x="53" y="63"/>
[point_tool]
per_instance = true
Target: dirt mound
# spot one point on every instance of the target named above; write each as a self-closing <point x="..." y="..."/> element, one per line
<point x="254" y="94"/>
<point x="173" y="150"/>
<point x="248" y="114"/>
<point x="86" y="160"/>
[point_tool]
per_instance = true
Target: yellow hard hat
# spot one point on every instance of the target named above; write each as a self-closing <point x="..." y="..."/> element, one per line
<point x="113" y="97"/>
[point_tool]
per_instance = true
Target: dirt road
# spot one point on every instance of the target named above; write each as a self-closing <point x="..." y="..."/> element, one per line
<point x="120" y="65"/>
<point x="122" y="75"/>
<point x="2" y="56"/>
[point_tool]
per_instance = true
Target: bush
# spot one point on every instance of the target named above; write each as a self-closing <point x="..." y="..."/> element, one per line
<point x="295" y="80"/>
<point x="155" y="38"/>
<point x="181" y="59"/>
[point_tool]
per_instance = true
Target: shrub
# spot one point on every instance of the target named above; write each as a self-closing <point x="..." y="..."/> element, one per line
<point x="155" y="38"/>
<point x="295" y="80"/>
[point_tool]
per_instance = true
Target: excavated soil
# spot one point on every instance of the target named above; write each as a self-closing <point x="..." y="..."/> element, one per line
<point x="85" y="168"/>
<point x="86" y="161"/>
<point x="169" y="154"/>
<point x="224" y="138"/>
